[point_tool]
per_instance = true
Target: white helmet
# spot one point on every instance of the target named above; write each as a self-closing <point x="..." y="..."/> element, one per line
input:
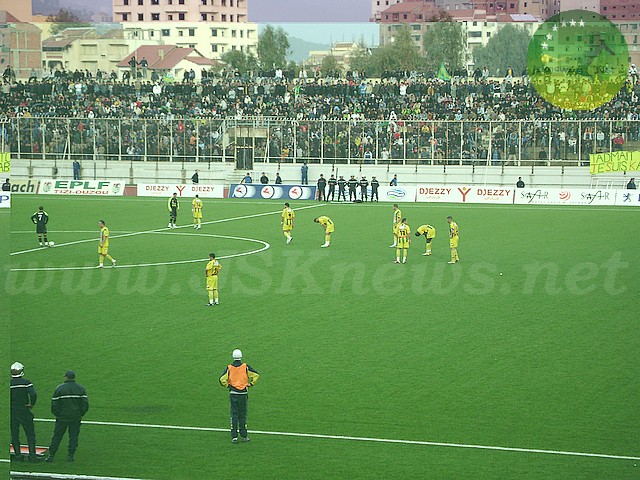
<point x="237" y="354"/>
<point x="17" y="369"/>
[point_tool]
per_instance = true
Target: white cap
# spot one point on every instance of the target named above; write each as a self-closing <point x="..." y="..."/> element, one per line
<point x="17" y="369"/>
<point x="237" y="354"/>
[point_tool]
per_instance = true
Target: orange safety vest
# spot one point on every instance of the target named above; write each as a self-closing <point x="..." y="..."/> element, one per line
<point x="238" y="377"/>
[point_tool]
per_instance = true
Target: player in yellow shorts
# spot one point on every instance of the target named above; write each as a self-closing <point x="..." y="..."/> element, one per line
<point x="103" y="246"/>
<point x="453" y="239"/>
<point x="196" y="208"/>
<point x="329" y="228"/>
<point x="211" y="272"/>
<point x="397" y="218"/>
<point x="402" y="233"/>
<point x="287" y="222"/>
<point x="429" y="233"/>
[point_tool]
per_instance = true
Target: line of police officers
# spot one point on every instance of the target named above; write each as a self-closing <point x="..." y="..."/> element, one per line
<point x="352" y="184"/>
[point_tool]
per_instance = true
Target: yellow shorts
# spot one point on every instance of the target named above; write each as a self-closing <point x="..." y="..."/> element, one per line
<point x="329" y="229"/>
<point x="403" y="243"/>
<point x="287" y="228"/>
<point x="197" y="216"/>
<point x="212" y="282"/>
<point x="453" y="242"/>
<point x="103" y="250"/>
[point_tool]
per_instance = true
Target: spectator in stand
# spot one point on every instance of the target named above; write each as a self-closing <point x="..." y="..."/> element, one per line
<point x="195" y="178"/>
<point x="630" y="186"/>
<point x="264" y="179"/>
<point x="520" y="183"/>
<point x="247" y="179"/>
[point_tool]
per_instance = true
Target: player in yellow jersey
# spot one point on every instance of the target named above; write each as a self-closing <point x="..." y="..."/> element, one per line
<point x="287" y="222"/>
<point x="103" y="246"/>
<point x="453" y="239"/>
<point x="196" y="208"/>
<point x="429" y="233"/>
<point x="397" y="218"/>
<point x="211" y="272"/>
<point x="403" y="234"/>
<point x="329" y="228"/>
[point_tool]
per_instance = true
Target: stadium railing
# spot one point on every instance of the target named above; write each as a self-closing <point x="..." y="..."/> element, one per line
<point x="278" y="140"/>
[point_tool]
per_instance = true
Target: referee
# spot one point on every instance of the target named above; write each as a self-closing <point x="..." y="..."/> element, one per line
<point x="173" y="206"/>
<point x="238" y="377"/>
<point x="23" y="398"/>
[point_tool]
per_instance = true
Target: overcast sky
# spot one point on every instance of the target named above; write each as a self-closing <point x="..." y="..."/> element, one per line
<point x="309" y="10"/>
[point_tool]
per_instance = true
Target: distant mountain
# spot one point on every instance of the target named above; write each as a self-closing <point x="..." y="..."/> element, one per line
<point x="82" y="8"/>
<point x="300" y="49"/>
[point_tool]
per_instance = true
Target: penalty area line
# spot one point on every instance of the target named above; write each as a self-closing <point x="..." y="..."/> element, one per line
<point x="364" y="439"/>
<point x="64" y="476"/>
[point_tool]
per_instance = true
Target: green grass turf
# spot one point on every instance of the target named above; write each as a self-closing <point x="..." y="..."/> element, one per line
<point x="347" y="343"/>
<point x="4" y="325"/>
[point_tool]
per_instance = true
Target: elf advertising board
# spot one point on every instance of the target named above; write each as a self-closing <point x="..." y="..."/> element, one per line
<point x="187" y="191"/>
<point x="564" y="196"/>
<point x="465" y="194"/>
<point x="49" y="186"/>
<point x="628" y="198"/>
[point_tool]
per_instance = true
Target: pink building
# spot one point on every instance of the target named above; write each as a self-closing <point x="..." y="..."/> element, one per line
<point x="232" y="11"/>
<point x="620" y="10"/>
<point x="377" y="6"/>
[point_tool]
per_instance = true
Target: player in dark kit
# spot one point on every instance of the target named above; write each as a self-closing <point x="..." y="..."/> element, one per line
<point x="353" y="183"/>
<point x="332" y="188"/>
<point x="342" y="185"/>
<point x="364" y="183"/>
<point x="173" y="206"/>
<point x="40" y="219"/>
<point x="374" y="188"/>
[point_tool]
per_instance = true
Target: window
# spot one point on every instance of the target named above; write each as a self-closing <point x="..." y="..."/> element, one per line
<point x="165" y="32"/>
<point x="155" y="2"/>
<point x="170" y="2"/>
<point x="233" y="48"/>
<point x="415" y="27"/>
<point x="181" y="16"/>
<point x="231" y="3"/>
<point x="405" y="16"/>
<point x="512" y="5"/>
<point x="224" y="18"/>
<point x="223" y="3"/>
<point x="180" y="33"/>
<point x="241" y="33"/>
<point x="214" y="32"/>
<point x="180" y="2"/>
<point x="475" y="34"/>
<point x="152" y="33"/>
<point x="204" y="2"/>
<point x="192" y="45"/>
<point x="192" y="32"/>
<point x="126" y="2"/>
<point x="125" y="17"/>
<point x="214" y="47"/>
<point x="488" y="34"/>
<point x="203" y="17"/>
<point x="140" y="17"/>
<point x="155" y="17"/>
<point x="140" y="2"/>
<point x="231" y="18"/>
<point x="233" y="34"/>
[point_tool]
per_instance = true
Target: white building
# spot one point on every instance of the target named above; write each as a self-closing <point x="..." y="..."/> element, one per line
<point x="212" y="39"/>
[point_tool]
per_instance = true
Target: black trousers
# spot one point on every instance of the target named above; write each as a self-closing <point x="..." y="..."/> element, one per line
<point x="363" y="194"/>
<point x="352" y="195"/>
<point x="332" y="193"/>
<point x="374" y="193"/>
<point x="321" y="194"/>
<point x="59" y="431"/>
<point x="239" y="415"/>
<point x="24" y="418"/>
<point x="341" y="192"/>
<point x="173" y="215"/>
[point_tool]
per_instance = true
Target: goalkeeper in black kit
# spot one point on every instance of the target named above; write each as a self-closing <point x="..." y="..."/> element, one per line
<point x="173" y="206"/>
<point x="40" y="220"/>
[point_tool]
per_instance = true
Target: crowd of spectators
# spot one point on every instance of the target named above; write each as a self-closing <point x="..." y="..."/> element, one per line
<point x="400" y="116"/>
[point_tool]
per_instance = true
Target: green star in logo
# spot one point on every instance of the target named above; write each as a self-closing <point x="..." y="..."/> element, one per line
<point x="578" y="60"/>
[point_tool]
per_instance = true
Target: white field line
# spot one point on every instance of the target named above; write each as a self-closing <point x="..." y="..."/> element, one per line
<point x="265" y="246"/>
<point x="363" y="439"/>
<point x="62" y="476"/>
<point x="155" y="230"/>
<point x="60" y="231"/>
<point x="4" y="460"/>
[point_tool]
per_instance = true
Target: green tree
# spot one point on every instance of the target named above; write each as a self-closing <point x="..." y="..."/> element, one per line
<point x="65" y="19"/>
<point x="506" y="49"/>
<point x="363" y="59"/>
<point x="330" y="65"/>
<point x="403" y="53"/>
<point x="444" y="43"/>
<point x="273" y="47"/>
<point x="244" y="62"/>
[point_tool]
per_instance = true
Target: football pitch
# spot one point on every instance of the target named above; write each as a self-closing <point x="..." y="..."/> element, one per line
<point x="529" y="343"/>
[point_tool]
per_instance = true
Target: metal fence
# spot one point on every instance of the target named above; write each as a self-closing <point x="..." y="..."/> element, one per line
<point x="273" y="140"/>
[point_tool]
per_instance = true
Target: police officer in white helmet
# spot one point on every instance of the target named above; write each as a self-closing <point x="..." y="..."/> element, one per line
<point x="23" y="398"/>
<point x="238" y="377"/>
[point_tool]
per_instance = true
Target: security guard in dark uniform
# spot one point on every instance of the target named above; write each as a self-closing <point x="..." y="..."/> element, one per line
<point x="342" y="184"/>
<point x="238" y="377"/>
<point x="322" y="184"/>
<point x="332" y="188"/>
<point x="364" y="183"/>
<point x="374" y="188"/>
<point x="353" y="183"/>
<point x="68" y="404"/>
<point x="23" y="398"/>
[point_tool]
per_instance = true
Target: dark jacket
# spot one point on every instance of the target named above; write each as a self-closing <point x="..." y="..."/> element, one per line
<point x="69" y="401"/>
<point x="23" y="393"/>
